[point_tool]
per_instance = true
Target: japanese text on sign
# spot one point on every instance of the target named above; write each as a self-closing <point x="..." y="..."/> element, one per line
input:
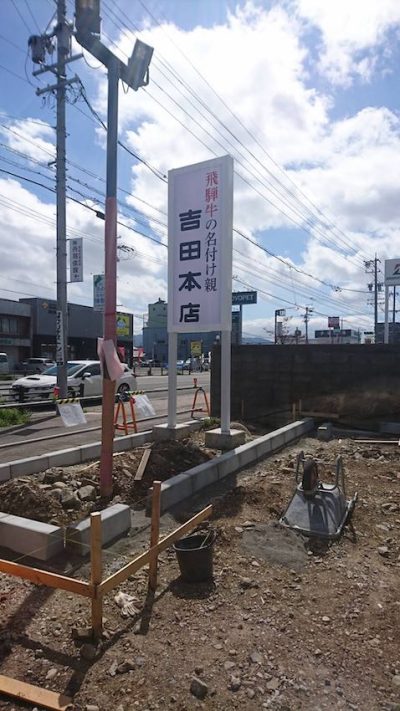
<point x="200" y="246"/>
<point x="98" y="292"/>
<point x="75" y="260"/>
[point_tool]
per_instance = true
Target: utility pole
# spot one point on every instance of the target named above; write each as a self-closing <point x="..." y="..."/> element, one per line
<point x="39" y="45"/>
<point x="309" y="311"/>
<point x="371" y="267"/>
<point x="135" y="74"/>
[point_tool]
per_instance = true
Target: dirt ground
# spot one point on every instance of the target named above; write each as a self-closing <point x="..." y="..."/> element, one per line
<point x="284" y="625"/>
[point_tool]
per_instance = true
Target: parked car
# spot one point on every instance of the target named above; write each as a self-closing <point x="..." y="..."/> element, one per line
<point x="35" y="365"/>
<point x="84" y="379"/>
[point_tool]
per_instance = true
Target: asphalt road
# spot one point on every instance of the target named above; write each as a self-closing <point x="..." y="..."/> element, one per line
<point x="15" y="442"/>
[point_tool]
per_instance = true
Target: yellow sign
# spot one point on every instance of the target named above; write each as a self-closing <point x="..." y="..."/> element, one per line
<point x="123" y="325"/>
<point x="195" y="349"/>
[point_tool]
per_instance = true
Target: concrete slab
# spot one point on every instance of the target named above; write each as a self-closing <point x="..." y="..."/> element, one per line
<point x="31" y="538"/>
<point x="216" y="439"/>
<point x="115" y="522"/>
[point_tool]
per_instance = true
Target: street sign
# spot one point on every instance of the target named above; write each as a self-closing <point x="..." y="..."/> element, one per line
<point x="195" y="349"/>
<point x="123" y="325"/>
<point x="244" y="297"/>
<point x="200" y="215"/>
<point x="280" y="312"/>
<point x="392" y="272"/>
<point x="333" y="321"/>
<point x="75" y="260"/>
<point x="98" y="292"/>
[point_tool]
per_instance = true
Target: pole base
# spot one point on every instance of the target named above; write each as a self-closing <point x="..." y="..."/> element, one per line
<point x="215" y="439"/>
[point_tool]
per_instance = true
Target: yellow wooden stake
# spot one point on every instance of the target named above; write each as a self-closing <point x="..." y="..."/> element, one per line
<point x="155" y="533"/>
<point x="96" y="572"/>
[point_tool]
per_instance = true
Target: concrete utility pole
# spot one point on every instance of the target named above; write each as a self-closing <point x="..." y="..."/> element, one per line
<point x="135" y="75"/>
<point x="309" y="311"/>
<point x="40" y="44"/>
<point x="371" y="267"/>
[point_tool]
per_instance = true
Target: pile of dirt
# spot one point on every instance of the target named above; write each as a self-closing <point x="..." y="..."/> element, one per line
<point x="65" y="495"/>
<point x="21" y="498"/>
<point x="285" y="624"/>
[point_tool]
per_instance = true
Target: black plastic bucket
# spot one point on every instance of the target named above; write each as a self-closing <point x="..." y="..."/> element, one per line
<point x="195" y="556"/>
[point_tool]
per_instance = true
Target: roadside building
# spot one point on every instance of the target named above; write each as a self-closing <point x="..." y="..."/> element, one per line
<point x="15" y="331"/>
<point x="335" y="336"/>
<point x="85" y="326"/>
<point x="28" y="327"/>
<point x="155" y="336"/>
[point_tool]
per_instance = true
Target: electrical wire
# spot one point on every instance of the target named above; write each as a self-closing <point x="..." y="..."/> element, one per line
<point x="182" y="82"/>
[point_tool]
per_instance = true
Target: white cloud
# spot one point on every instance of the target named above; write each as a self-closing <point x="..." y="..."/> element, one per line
<point x="31" y="136"/>
<point x="353" y="34"/>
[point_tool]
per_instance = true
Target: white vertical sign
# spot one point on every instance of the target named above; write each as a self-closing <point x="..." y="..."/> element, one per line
<point x="75" y="260"/>
<point x="392" y="272"/>
<point x="98" y="292"/>
<point x="59" y="338"/>
<point x="200" y="216"/>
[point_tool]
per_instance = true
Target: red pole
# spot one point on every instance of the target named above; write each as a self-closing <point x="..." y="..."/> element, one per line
<point x="110" y="278"/>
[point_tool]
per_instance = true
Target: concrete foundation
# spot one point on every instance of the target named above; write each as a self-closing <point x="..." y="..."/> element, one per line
<point x="215" y="439"/>
<point x="115" y="522"/>
<point x="164" y="432"/>
<point x="30" y="538"/>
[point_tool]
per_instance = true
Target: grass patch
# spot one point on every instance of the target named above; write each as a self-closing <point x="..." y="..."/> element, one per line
<point x="14" y="417"/>
<point x="3" y="376"/>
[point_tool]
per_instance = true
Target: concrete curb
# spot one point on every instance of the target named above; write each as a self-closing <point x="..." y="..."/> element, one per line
<point x="35" y="539"/>
<point x="182" y="486"/>
<point x="31" y="538"/>
<point x="76" y="455"/>
<point x="115" y="521"/>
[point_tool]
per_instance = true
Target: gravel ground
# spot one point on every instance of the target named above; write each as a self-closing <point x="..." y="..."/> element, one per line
<point x="286" y="623"/>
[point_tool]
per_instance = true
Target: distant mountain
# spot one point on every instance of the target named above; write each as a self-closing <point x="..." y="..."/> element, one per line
<point x="253" y="341"/>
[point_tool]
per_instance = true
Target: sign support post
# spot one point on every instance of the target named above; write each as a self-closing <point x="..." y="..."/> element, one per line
<point x="225" y="382"/>
<point x="386" y="332"/>
<point x="172" y="378"/>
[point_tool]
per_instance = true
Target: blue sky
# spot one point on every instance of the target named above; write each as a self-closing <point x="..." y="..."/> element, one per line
<point x="302" y="93"/>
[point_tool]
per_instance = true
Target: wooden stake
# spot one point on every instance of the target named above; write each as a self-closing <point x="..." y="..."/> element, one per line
<point x="34" y="694"/>
<point x="294" y="412"/>
<point x="155" y="532"/>
<point x="96" y="572"/>
<point x="137" y="563"/>
<point x="142" y="465"/>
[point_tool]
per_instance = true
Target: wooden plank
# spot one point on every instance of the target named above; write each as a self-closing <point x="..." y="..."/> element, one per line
<point x="137" y="563"/>
<point x="142" y="465"/>
<point x="155" y="533"/>
<point x="34" y="694"/>
<point x="42" y="577"/>
<point x="96" y="571"/>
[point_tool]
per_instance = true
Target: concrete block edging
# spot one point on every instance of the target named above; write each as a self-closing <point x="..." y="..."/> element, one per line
<point x="181" y="486"/>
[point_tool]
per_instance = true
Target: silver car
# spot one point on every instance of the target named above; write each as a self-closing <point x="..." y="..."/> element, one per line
<point x="84" y="379"/>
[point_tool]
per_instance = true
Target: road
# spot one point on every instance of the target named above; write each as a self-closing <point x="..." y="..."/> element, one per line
<point x="15" y="442"/>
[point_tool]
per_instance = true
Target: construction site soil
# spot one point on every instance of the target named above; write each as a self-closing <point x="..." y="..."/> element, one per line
<point x="287" y="623"/>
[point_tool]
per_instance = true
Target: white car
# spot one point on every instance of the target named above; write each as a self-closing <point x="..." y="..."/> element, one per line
<point x="84" y="379"/>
